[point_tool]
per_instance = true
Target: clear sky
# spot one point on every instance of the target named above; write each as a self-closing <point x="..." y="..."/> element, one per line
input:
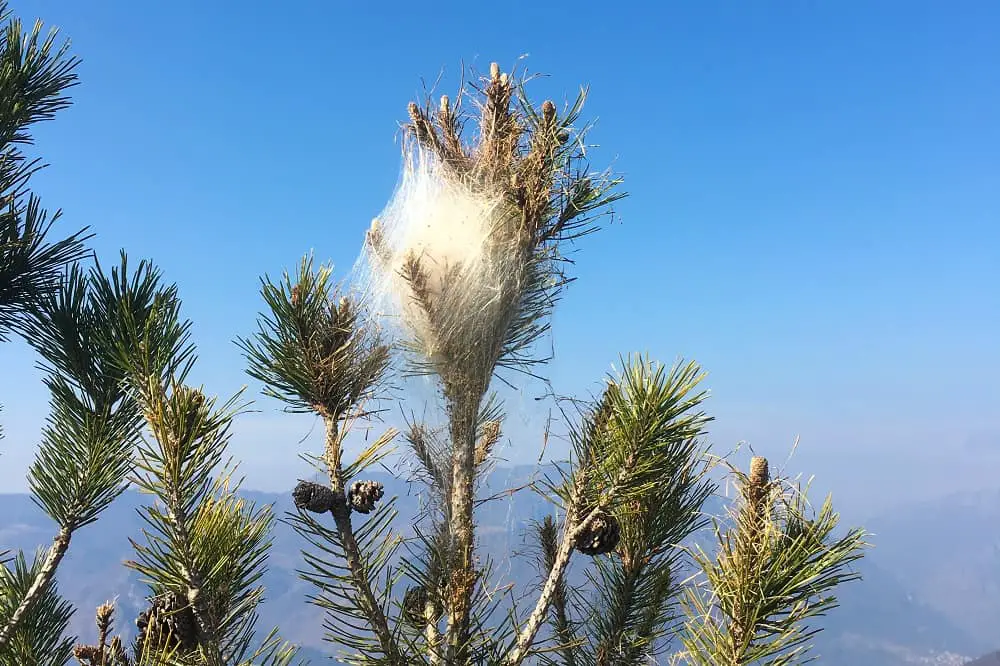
<point x="815" y="194"/>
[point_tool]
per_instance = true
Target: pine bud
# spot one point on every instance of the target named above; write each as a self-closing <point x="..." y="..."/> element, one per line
<point x="313" y="497"/>
<point x="494" y="71"/>
<point x="548" y="111"/>
<point x="295" y="296"/>
<point x="105" y="615"/>
<point x="364" y="495"/>
<point x="193" y="413"/>
<point x="117" y="650"/>
<point x="89" y="654"/>
<point x="445" y="105"/>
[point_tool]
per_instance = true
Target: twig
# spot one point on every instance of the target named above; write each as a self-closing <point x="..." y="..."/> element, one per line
<point x="178" y="520"/>
<point x="342" y="517"/>
<point x="527" y="635"/>
<point x="44" y="577"/>
<point x="507" y="492"/>
<point x="432" y="634"/>
<point x="571" y="531"/>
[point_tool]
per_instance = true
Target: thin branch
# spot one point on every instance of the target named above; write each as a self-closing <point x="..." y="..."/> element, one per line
<point x="45" y="575"/>
<point x="572" y="530"/>
<point x="359" y="575"/>
<point x="207" y="627"/>
<point x="179" y="523"/>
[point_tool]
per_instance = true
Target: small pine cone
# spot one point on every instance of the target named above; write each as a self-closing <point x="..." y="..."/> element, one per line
<point x="313" y="497"/>
<point x="759" y="481"/>
<point x="759" y="473"/>
<point x="179" y="620"/>
<point x="364" y="495"/>
<point x="415" y="604"/>
<point x="601" y="537"/>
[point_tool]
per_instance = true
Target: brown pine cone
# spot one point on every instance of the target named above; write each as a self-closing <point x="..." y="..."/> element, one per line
<point x="313" y="497"/>
<point x="364" y="495"/>
<point x="601" y="536"/>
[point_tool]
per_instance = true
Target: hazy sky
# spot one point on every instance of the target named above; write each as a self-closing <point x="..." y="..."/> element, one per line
<point x="815" y="191"/>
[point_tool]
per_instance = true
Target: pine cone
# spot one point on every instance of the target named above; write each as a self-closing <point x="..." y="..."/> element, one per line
<point x="364" y="495"/>
<point x="415" y="603"/>
<point x="168" y="622"/>
<point x="601" y="536"/>
<point x="313" y="497"/>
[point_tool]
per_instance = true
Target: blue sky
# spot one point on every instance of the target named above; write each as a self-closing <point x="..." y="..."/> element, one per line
<point x="815" y="193"/>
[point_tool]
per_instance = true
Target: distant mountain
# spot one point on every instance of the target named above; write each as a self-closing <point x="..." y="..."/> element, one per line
<point x="947" y="554"/>
<point x="888" y="619"/>
<point x="992" y="659"/>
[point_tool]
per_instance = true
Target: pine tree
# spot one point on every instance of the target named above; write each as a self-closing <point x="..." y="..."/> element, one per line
<point x="470" y="253"/>
<point x="115" y="355"/>
<point x="35" y="74"/>
<point x="468" y="258"/>
<point x="775" y="569"/>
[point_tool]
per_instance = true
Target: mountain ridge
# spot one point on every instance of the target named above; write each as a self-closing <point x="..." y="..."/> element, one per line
<point x="882" y="621"/>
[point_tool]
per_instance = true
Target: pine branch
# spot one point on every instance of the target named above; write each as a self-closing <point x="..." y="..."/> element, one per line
<point x="572" y="530"/>
<point x="462" y="413"/>
<point x="35" y="74"/>
<point x="84" y="458"/>
<point x="206" y="548"/>
<point x="581" y="515"/>
<point x="312" y="352"/>
<point x="565" y="634"/>
<point x="41" y="582"/>
<point x="470" y="324"/>
<point x="776" y="569"/>
<point x="359" y="575"/>
<point x="187" y="444"/>
<point x="39" y="639"/>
